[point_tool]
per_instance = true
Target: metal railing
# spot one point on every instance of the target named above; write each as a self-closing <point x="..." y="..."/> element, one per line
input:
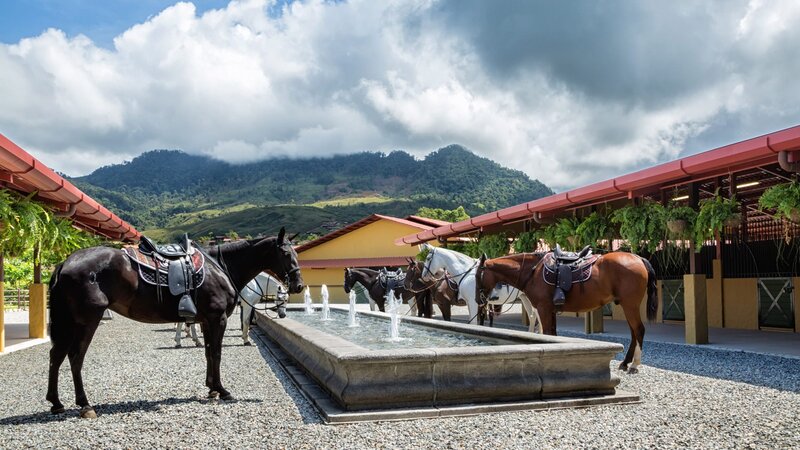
<point x="15" y="298"/>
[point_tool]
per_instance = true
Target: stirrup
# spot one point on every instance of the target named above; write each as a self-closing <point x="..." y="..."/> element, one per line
<point x="559" y="298"/>
<point x="186" y="308"/>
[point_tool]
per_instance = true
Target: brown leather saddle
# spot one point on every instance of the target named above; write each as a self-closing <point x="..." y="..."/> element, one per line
<point x="179" y="267"/>
<point x="563" y="269"/>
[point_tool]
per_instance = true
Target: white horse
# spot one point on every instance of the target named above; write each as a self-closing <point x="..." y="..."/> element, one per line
<point x="462" y="269"/>
<point x="503" y="294"/>
<point x="191" y="330"/>
<point x="262" y="287"/>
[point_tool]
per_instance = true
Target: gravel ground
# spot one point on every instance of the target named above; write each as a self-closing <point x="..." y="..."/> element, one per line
<point x="150" y="395"/>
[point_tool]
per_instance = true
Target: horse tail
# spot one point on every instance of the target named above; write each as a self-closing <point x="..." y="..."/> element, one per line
<point x="652" y="291"/>
<point x="60" y="321"/>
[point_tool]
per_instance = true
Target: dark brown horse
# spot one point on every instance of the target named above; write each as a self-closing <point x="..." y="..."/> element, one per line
<point x="438" y="288"/>
<point x="371" y="281"/>
<point x="622" y="277"/>
<point x="93" y="279"/>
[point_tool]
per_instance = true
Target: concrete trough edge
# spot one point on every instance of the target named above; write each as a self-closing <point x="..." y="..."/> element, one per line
<point x="332" y="414"/>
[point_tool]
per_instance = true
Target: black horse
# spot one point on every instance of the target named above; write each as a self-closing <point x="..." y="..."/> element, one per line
<point x="93" y="279"/>
<point x="375" y="285"/>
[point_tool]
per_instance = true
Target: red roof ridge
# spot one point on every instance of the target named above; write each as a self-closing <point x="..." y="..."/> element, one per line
<point x="356" y="225"/>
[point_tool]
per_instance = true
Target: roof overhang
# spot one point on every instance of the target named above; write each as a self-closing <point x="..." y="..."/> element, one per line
<point x="741" y="156"/>
<point x="22" y="172"/>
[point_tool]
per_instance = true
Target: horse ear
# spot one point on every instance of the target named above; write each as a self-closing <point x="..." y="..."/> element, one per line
<point x="294" y="236"/>
<point x="281" y="235"/>
<point x="483" y="258"/>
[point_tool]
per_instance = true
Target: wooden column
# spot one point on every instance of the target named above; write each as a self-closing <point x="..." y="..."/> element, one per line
<point x="695" y="307"/>
<point x="593" y="321"/>
<point x="37" y="312"/>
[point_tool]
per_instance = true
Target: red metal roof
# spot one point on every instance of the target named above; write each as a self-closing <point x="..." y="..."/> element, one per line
<point x="410" y="221"/>
<point x="22" y="172"/>
<point x="389" y="261"/>
<point x="743" y="155"/>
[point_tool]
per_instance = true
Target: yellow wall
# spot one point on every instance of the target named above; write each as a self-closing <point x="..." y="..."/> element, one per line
<point x="741" y="303"/>
<point x="375" y="240"/>
<point x="371" y="241"/>
<point x="315" y="278"/>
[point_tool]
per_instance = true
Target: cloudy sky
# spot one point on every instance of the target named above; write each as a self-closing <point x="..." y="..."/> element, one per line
<point x="569" y="92"/>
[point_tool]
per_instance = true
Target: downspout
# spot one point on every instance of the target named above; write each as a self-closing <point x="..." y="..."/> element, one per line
<point x="783" y="161"/>
<point x="68" y="213"/>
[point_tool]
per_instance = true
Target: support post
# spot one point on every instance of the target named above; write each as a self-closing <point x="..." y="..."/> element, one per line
<point x="593" y="321"/>
<point x="696" y="309"/>
<point x="37" y="311"/>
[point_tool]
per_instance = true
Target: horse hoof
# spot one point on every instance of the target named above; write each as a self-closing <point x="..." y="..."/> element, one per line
<point x="197" y="344"/>
<point x="248" y="344"/>
<point x="623" y="367"/>
<point x="228" y="398"/>
<point x="177" y="345"/>
<point x="213" y="394"/>
<point x="633" y="370"/>
<point x="57" y="409"/>
<point x="87" y="412"/>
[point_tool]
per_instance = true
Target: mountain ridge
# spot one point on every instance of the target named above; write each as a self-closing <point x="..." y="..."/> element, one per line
<point x="173" y="191"/>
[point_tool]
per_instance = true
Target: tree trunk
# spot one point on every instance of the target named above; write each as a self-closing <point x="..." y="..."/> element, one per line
<point x="37" y="265"/>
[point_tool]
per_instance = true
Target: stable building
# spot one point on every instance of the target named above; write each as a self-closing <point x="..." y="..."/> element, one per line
<point x="743" y="278"/>
<point x="367" y="243"/>
<point x="26" y="175"/>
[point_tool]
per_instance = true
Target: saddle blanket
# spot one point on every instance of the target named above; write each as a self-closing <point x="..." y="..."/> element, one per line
<point x="580" y="273"/>
<point x="148" y="266"/>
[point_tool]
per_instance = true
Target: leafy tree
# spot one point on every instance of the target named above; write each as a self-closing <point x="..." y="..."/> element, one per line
<point x="493" y="245"/>
<point x="449" y="215"/>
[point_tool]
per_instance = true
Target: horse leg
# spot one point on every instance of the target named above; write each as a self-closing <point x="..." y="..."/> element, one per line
<point x="444" y="307"/>
<point x="213" y="333"/>
<point x="245" y="312"/>
<point x="193" y="328"/>
<point x="61" y="331"/>
<point x="634" y="353"/>
<point x="77" y="351"/>
<point x="178" y="337"/>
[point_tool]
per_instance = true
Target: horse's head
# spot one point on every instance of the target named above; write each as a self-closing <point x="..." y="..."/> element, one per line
<point x="348" y="283"/>
<point x="412" y="273"/>
<point x="485" y="278"/>
<point x="429" y="260"/>
<point x="288" y="266"/>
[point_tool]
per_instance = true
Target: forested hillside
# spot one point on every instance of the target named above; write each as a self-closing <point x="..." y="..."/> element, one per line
<point x="172" y="191"/>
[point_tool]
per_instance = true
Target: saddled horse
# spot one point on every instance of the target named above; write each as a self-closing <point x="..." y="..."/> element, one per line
<point x="444" y="293"/>
<point x="462" y="269"/>
<point x="93" y="279"/>
<point x="619" y="276"/>
<point x="375" y="285"/>
<point x="437" y="289"/>
<point x="261" y="288"/>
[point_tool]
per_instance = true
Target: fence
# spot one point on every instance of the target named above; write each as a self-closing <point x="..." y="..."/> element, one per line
<point x="16" y="298"/>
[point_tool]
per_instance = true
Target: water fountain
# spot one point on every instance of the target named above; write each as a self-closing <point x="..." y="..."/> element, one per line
<point x="307" y="301"/>
<point x="325" y="307"/>
<point x="496" y="370"/>
<point x="392" y="305"/>
<point x="352" y="321"/>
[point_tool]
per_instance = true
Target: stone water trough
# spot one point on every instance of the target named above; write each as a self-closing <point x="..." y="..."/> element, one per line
<point x="518" y="367"/>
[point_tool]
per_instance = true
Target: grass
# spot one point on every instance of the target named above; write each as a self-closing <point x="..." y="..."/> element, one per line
<point x="348" y="201"/>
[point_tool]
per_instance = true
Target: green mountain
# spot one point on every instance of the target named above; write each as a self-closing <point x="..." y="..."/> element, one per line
<point x="167" y="192"/>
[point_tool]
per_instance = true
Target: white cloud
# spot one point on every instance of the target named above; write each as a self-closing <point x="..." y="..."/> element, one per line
<point x="331" y="77"/>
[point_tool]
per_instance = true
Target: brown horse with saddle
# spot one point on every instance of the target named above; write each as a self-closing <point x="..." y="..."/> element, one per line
<point x="590" y="281"/>
<point x="437" y="288"/>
